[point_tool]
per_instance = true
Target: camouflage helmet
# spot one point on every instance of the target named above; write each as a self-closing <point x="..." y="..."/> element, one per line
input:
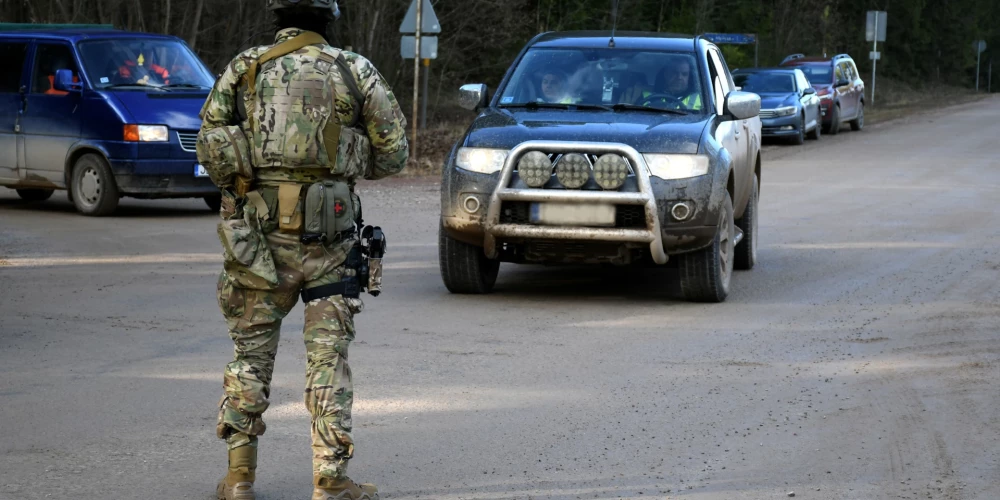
<point x="328" y="6"/>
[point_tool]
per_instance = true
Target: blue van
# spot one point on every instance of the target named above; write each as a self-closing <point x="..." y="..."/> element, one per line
<point x="102" y="113"/>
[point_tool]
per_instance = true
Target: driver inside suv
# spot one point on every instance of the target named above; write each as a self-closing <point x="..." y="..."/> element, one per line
<point x="674" y="88"/>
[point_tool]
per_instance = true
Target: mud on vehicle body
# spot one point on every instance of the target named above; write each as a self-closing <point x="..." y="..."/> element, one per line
<point x="629" y="163"/>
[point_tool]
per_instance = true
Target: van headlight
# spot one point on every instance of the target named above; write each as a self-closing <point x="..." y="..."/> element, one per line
<point x="670" y="167"/>
<point x="146" y="133"/>
<point x="481" y="160"/>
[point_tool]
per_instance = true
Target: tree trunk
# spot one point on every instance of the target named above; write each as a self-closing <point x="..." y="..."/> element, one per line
<point x="193" y="39"/>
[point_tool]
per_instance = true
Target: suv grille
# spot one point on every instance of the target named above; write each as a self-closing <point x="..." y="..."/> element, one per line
<point x="626" y="216"/>
<point x="632" y="216"/>
<point x="188" y="141"/>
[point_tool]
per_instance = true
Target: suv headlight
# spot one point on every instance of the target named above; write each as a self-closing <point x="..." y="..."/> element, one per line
<point x="482" y="160"/>
<point x="676" y="166"/>
<point x="785" y="111"/>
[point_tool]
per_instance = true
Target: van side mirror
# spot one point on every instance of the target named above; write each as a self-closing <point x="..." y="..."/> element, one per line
<point x="64" y="81"/>
<point x="473" y="96"/>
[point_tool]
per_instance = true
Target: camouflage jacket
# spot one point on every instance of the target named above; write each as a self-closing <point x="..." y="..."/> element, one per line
<point x="381" y="118"/>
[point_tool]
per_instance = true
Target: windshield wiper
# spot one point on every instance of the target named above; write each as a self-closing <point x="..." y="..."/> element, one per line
<point x="636" y="107"/>
<point x="183" y="86"/>
<point x="555" y="105"/>
<point x="130" y="85"/>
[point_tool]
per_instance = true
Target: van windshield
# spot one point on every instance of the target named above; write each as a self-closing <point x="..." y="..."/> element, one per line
<point x="143" y="62"/>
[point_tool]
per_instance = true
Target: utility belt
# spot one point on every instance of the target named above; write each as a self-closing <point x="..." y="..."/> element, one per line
<point x="326" y="212"/>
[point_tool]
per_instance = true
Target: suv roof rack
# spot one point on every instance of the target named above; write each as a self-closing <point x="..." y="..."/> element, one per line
<point x="792" y="57"/>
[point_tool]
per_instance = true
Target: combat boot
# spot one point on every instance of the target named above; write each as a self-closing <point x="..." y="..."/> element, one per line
<point x="344" y="489"/>
<point x="238" y="483"/>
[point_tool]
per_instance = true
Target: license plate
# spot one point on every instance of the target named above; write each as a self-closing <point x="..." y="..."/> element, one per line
<point x="199" y="171"/>
<point x="572" y="214"/>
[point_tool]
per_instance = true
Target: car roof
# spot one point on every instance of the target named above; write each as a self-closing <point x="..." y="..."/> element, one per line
<point x="623" y="40"/>
<point x="766" y="70"/>
<point x="808" y="60"/>
<point x="78" y="34"/>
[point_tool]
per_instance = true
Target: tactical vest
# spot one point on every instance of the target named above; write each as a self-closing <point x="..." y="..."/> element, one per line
<point x="289" y="103"/>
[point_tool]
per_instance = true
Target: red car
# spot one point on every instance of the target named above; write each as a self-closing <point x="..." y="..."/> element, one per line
<point x="839" y="87"/>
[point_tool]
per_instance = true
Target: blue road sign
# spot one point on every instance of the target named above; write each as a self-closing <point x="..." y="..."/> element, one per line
<point x="732" y="38"/>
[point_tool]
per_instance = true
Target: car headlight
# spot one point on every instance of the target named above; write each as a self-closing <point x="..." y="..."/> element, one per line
<point x="785" y="111"/>
<point x="676" y="166"/>
<point x="146" y="133"/>
<point x="482" y="160"/>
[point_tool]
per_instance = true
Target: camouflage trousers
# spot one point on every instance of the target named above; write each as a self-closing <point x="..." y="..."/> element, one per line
<point x="254" y="320"/>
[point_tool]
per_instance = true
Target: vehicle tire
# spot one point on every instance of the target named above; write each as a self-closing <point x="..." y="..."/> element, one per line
<point x="464" y="267"/>
<point x="93" y="187"/>
<point x="706" y="273"/>
<point x="35" y="194"/>
<point x="816" y="132"/>
<point x="214" y="202"/>
<point x="834" y="120"/>
<point x="800" y="139"/>
<point x="859" y="122"/>
<point x="745" y="254"/>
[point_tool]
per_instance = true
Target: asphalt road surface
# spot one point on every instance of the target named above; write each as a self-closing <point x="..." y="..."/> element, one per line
<point x="859" y="360"/>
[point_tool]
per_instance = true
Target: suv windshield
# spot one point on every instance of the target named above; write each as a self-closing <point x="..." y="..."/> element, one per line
<point x="143" y="62"/>
<point x="765" y="82"/>
<point x="821" y="74"/>
<point x="606" y="77"/>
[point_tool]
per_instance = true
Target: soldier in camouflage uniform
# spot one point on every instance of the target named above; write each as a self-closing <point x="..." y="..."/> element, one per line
<point x="281" y="118"/>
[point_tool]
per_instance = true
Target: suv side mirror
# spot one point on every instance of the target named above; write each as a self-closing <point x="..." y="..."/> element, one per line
<point x="64" y="81"/>
<point x="809" y="91"/>
<point x="473" y="96"/>
<point x="741" y="105"/>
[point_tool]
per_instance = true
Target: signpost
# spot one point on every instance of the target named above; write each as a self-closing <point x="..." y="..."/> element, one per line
<point x="875" y="33"/>
<point x="735" y="39"/>
<point x="980" y="47"/>
<point x="419" y="19"/>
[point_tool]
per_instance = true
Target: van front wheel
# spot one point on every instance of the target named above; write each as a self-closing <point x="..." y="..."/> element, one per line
<point x="93" y="186"/>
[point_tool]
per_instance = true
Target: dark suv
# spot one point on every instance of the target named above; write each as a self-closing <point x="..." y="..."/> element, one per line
<point x="839" y="87"/>
<point x="627" y="150"/>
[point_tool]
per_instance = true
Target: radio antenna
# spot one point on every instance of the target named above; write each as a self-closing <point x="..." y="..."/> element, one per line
<point x="614" y="22"/>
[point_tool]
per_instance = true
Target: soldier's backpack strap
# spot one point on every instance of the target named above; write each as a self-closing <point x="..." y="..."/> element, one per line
<point x="306" y="39"/>
<point x="352" y="86"/>
<point x="333" y="128"/>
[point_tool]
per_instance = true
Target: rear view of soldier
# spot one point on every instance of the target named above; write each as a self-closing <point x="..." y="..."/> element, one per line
<point x="286" y="131"/>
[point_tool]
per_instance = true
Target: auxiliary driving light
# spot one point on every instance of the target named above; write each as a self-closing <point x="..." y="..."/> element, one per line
<point x="573" y="171"/>
<point x="610" y="171"/>
<point x="535" y="169"/>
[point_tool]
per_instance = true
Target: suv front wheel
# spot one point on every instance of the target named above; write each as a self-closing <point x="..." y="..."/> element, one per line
<point x="706" y="273"/>
<point x="464" y="267"/>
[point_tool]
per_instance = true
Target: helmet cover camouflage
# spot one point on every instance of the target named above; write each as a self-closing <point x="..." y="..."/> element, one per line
<point x="328" y="6"/>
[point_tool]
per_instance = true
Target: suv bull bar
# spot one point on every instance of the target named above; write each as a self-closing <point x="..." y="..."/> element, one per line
<point x="651" y="235"/>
